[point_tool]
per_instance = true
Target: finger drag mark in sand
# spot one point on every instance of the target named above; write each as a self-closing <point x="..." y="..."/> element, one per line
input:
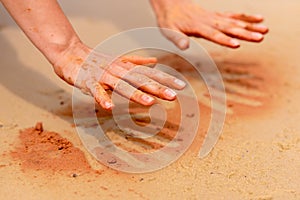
<point x="249" y="83"/>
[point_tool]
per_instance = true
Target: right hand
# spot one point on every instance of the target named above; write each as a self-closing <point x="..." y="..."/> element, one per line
<point x="126" y="75"/>
<point x="189" y="19"/>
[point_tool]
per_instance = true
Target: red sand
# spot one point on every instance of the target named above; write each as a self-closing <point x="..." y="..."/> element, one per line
<point x="46" y="150"/>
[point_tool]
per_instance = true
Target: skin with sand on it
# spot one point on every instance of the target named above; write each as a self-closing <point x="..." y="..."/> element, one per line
<point x="257" y="156"/>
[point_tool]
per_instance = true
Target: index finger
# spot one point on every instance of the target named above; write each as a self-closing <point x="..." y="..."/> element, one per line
<point x="161" y="77"/>
<point x="139" y="60"/>
<point x="246" y="18"/>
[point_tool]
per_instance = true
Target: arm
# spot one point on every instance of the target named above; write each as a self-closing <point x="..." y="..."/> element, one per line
<point x="47" y="27"/>
<point x="44" y="24"/>
<point x="190" y="19"/>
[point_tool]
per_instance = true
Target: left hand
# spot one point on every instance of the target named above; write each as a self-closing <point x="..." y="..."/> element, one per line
<point x="93" y="73"/>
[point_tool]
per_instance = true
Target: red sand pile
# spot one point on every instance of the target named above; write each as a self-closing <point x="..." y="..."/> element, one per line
<point x="44" y="150"/>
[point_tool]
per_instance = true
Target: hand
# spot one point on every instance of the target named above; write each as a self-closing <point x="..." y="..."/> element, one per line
<point x="124" y="75"/>
<point x="190" y="19"/>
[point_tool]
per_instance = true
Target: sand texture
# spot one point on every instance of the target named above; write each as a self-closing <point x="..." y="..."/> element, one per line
<point x="257" y="156"/>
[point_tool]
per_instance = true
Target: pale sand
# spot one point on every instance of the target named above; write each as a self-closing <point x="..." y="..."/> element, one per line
<point x="257" y="156"/>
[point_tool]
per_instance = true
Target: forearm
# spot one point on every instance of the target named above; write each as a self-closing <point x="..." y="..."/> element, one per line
<point x="45" y="25"/>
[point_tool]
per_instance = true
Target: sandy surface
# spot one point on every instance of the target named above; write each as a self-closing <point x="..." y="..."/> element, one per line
<point x="257" y="156"/>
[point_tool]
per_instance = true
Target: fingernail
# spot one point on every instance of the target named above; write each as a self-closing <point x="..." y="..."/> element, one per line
<point x="180" y="83"/>
<point x="108" y="105"/>
<point x="183" y="44"/>
<point x="235" y="43"/>
<point x="147" y="99"/>
<point x="257" y="36"/>
<point x="170" y="93"/>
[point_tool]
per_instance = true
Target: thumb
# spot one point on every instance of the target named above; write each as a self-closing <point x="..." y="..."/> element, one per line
<point x="181" y="40"/>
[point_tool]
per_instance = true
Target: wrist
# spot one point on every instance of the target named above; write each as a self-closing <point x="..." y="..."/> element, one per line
<point x="55" y="48"/>
<point x="69" y="60"/>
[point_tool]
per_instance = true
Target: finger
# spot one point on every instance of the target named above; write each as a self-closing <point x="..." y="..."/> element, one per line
<point x="260" y="28"/>
<point x="245" y="17"/>
<point x="177" y="37"/>
<point x="243" y="34"/>
<point x="161" y="77"/>
<point x="143" y="82"/>
<point x="216" y="36"/>
<point x="139" y="60"/>
<point x="128" y="91"/>
<point x="117" y="70"/>
<point x="99" y="94"/>
<point x="157" y="75"/>
<point x="150" y="86"/>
